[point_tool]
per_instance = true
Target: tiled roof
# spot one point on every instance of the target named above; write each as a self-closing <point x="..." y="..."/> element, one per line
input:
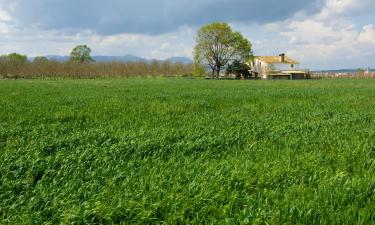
<point x="276" y="59"/>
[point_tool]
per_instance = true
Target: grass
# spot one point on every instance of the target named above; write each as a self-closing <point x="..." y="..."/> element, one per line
<point x="176" y="151"/>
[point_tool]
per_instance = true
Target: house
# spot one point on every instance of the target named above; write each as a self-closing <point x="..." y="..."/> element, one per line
<point x="277" y="67"/>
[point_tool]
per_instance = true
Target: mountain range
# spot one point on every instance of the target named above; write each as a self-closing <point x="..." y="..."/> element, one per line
<point x="124" y="58"/>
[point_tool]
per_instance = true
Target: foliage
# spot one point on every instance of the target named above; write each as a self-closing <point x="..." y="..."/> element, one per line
<point x="81" y="54"/>
<point x="14" y="57"/>
<point x="360" y="70"/>
<point x="198" y="70"/>
<point x="217" y="45"/>
<point x="179" y="151"/>
<point x="53" y="69"/>
<point x="12" y="62"/>
<point x="40" y="59"/>
<point x="239" y="69"/>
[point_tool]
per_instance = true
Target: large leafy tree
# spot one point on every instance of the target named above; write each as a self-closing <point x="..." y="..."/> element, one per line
<point x="81" y="54"/>
<point x="218" y="45"/>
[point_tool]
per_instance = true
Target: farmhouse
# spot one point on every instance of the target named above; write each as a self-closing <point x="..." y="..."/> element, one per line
<point x="277" y="67"/>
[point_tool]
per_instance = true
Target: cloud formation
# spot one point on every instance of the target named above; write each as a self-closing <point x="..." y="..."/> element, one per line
<point x="334" y="8"/>
<point x="147" y="16"/>
<point x="331" y="38"/>
<point x="321" y="34"/>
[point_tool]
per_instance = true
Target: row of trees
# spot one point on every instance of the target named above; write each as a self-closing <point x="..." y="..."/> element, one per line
<point x="81" y="65"/>
<point x="54" y="69"/>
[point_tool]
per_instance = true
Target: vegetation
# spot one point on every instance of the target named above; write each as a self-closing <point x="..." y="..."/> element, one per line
<point x="217" y="45"/>
<point x="239" y="69"/>
<point x="343" y="75"/>
<point x="13" y="58"/>
<point x="52" y="69"/>
<point x="183" y="151"/>
<point x="40" y="59"/>
<point x="198" y="70"/>
<point x="81" y="54"/>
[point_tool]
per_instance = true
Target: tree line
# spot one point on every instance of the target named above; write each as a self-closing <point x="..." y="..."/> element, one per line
<point x="218" y="48"/>
<point x="82" y="65"/>
<point x="53" y="69"/>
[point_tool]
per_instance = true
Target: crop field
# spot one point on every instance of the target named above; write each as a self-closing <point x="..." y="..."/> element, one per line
<point x="185" y="151"/>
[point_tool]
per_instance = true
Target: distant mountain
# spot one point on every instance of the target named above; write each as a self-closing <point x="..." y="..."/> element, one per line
<point x="124" y="58"/>
<point x="58" y="58"/>
<point x="183" y="60"/>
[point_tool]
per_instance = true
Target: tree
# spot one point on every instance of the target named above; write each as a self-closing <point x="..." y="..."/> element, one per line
<point x="360" y="72"/>
<point x="14" y="57"/>
<point x="198" y="70"/>
<point x="217" y="45"/>
<point x="81" y="54"/>
<point x="40" y="59"/>
<point x="239" y="69"/>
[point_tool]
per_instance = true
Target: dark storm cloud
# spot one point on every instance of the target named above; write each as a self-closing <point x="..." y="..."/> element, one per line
<point x="148" y="16"/>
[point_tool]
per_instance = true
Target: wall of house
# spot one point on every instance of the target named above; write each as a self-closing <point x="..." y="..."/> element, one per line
<point x="284" y="66"/>
<point x="261" y="68"/>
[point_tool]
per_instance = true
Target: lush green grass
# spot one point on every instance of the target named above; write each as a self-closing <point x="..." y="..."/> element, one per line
<point x="172" y="151"/>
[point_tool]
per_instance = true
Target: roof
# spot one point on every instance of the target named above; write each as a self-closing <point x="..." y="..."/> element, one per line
<point x="276" y="59"/>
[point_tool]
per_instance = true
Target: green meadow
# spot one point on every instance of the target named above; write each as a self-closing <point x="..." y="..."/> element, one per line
<point x="187" y="151"/>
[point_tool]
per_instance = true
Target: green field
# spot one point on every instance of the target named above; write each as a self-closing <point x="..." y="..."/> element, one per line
<point x="180" y="151"/>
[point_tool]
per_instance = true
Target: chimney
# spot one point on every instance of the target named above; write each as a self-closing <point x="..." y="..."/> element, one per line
<point x="282" y="58"/>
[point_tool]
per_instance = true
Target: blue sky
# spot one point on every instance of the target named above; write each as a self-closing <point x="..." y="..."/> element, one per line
<point x="322" y="34"/>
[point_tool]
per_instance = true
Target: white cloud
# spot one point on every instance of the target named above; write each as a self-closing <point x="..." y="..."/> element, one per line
<point x="34" y="41"/>
<point x="327" y="45"/>
<point x="5" y="18"/>
<point x="330" y="38"/>
<point x="334" y="8"/>
<point x="178" y="43"/>
<point x="3" y="28"/>
<point x="367" y="35"/>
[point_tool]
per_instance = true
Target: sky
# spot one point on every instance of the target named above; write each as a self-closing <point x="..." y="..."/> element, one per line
<point x="321" y="34"/>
